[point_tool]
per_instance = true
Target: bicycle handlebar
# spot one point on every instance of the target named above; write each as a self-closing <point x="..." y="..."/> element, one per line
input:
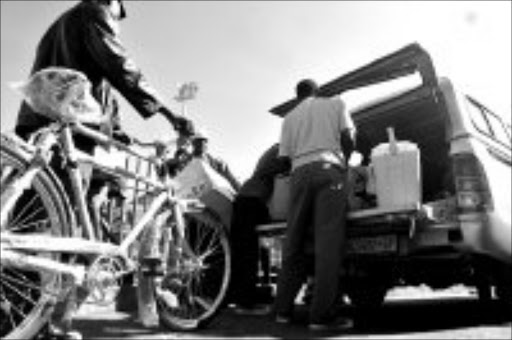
<point x="106" y="140"/>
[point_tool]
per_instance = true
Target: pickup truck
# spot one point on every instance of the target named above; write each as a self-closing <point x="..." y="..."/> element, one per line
<point x="460" y="232"/>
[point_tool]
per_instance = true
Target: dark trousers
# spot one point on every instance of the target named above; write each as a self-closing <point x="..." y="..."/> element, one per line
<point x="248" y="212"/>
<point x="318" y="202"/>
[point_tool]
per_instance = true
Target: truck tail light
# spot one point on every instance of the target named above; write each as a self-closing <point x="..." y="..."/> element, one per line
<point x="471" y="184"/>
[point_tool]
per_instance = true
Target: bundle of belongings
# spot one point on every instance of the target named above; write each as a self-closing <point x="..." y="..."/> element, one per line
<point x="61" y="94"/>
<point x="199" y="180"/>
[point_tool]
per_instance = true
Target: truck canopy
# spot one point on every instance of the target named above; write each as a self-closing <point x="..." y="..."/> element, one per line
<point x="409" y="59"/>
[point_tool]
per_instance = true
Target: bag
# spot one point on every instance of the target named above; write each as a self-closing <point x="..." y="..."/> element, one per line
<point x="199" y="180"/>
<point x="279" y="201"/>
<point x="61" y="93"/>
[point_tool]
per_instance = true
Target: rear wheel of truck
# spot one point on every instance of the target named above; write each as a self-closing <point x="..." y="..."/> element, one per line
<point x="504" y="293"/>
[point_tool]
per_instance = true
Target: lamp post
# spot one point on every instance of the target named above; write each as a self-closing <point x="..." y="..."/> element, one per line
<point x="186" y="92"/>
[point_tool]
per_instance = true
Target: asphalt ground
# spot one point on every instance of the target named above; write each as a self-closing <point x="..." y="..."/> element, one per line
<point x="408" y="313"/>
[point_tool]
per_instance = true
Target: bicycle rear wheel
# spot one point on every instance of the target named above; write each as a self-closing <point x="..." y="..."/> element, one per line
<point x="194" y="286"/>
<point x="27" y="297"/>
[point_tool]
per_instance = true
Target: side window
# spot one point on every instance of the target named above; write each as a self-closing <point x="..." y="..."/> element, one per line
<point x="488" y="123"/>
<point x="499" y="130"/>
<point x="478" y="118"/>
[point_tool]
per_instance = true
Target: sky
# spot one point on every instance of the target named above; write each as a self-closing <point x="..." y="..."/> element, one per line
<point x="247" y="56"/>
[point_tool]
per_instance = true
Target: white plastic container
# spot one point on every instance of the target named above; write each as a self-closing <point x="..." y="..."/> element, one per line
<point x="397" y="171"/>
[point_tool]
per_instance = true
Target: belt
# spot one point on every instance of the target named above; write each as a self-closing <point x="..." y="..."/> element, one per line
<point x="327" y="156"/>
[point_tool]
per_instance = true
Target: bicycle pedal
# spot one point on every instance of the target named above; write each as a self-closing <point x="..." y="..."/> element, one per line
<point x="153" y="272"/>
<point x="152" y="266"/>
<point x="151" y="261"/>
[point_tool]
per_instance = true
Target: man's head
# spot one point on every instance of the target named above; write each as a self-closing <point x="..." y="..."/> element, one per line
<point x="199" y="143"/>
<point x="115" y="7"/>
<point x="306" y="88"/>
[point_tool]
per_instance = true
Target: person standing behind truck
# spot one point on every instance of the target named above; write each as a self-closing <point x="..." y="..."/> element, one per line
<point x="249" y="210"/>
<point x="318" y="137"/>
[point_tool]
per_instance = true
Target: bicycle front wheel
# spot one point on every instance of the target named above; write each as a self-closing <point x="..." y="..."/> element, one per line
<point x="194" y="285"/>
<point x="26" y="296"/>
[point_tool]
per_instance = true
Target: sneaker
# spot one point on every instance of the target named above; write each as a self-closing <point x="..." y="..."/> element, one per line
<point x="170" y="299"/>
<point x="257" y="309"/>
<point x="57" y="334"/>
<point x="339" y="323"/>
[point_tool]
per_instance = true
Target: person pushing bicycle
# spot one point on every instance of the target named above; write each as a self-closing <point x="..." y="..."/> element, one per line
<point x="86" y="39"/>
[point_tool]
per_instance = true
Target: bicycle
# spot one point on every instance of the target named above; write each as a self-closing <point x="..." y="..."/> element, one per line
<point x="45" y="240"/>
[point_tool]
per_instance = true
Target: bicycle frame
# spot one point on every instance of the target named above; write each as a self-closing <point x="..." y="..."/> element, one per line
<point x="12" y="244"/>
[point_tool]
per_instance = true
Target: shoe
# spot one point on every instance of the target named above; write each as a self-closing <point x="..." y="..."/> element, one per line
<point x="283" y="319"/>
<point x="256" y="309"/>
<point x="57" y="334"/>
<point x="170" y="299"/>
<point x="339" y="323"/>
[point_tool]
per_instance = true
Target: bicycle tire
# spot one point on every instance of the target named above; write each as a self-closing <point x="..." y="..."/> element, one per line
<point x="199" y="289"/>
<point x="26" y="303"/>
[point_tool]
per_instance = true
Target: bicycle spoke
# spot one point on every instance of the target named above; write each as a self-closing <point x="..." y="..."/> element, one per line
<point x="26" y="206"/>
<point x="208" y="253"/>
<point x="203" y="302"/>
<point x="32" y="214"/>
<point x="20" y="313"/>
<point x="6" y="308"/>
<point x="212" y="233"/>
<point x="30" y="225"/>
<point x="218" y="262"/>
<point x="29" y="285"/>
<point x="14" y="289"/>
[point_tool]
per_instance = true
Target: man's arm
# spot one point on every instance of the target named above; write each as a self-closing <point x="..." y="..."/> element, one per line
<point x="348" y="142"/>
<point x="121" y="71"/>
<point x="347" y="130"/>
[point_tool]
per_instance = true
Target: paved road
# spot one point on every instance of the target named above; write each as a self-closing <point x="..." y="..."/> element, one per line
<point x="407" y="314"/>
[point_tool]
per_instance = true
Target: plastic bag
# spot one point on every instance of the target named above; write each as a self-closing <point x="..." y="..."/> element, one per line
<point x="61" y="93"/>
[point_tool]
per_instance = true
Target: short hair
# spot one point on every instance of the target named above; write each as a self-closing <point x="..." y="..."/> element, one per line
<point x="306" y="88"/>
<point x="107" y="3"/>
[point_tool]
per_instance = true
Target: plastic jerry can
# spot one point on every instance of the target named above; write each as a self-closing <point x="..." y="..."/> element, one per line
<point x="397" y="171"/>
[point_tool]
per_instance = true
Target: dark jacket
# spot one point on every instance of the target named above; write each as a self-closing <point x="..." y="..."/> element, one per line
<point x="85" y="38"/>
<point x="261" y="183"/>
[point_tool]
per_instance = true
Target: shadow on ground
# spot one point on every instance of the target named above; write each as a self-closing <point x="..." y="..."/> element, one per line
<point x="394" y="318"/>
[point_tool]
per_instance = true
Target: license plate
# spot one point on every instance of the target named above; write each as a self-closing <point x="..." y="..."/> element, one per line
<point x="372" y="245"/>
